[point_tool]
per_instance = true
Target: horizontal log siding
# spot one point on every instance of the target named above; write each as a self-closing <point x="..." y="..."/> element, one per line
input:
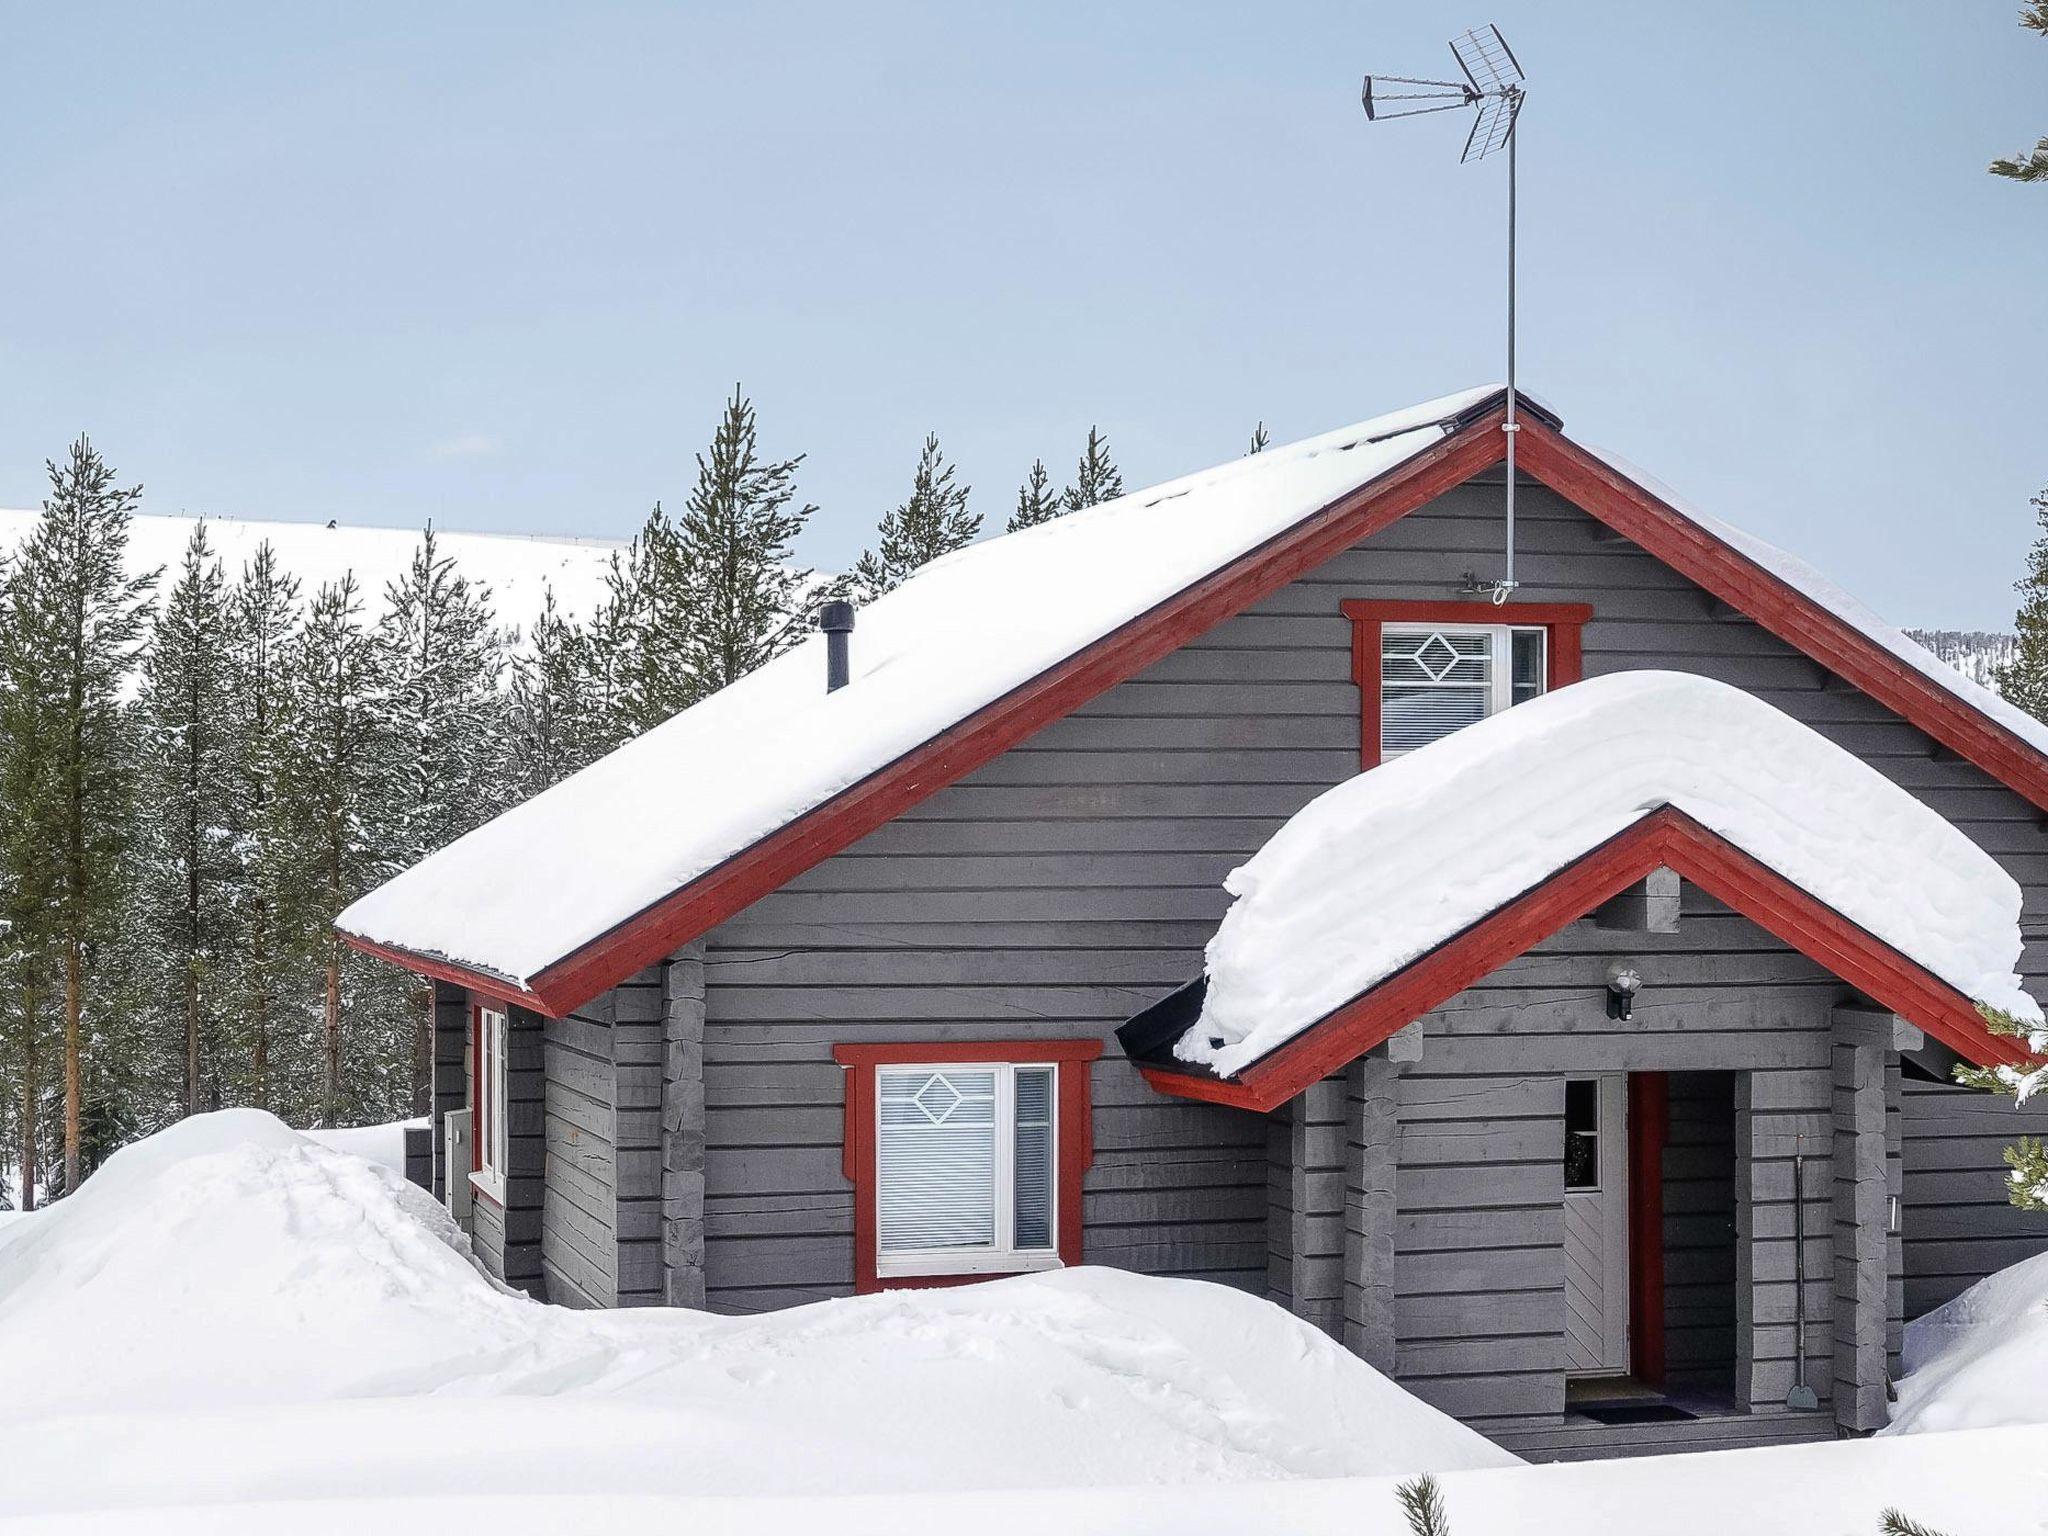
<point x="1699" y="1232"/>
<point x="507" y="1237"/>
<point x="1076" y="878"/>
<point x="1959" y="1225"/>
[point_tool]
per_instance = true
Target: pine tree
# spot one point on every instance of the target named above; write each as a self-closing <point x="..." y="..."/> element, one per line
<point x="644" y="630"/>
<point x="1260" y="440"/>
<point x="2028" y="165"/>
<point x="333" y="786"/>
<point x="2024" y="680"/>
<point x="1422" y="1501"/>
<point x="1097" y="479"/>
<point x="734" y="545"/>
<point x="70" y="630"/>
<point x="546" y="715"/>
<point x="933" y="522"/>
<point x="187" y="815"/>
<point x="606" y="654"/>
<point x="1037" y="501"/>
<point x="445" y="723"/>
<point x="263" y="621"/>
<point x="1892" y="1523"/>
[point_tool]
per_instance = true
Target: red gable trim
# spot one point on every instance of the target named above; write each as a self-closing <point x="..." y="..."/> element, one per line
<point x="1781" y="608"/>
<point x="778" y="858"/>
<point x="1664" y="837"/>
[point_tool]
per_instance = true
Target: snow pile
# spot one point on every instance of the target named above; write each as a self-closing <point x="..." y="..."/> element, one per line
<point x="1387" y="866"/>
<point x="1982" y="1359"/>
<point x="517" y="568"/>
<point x="229" y="1272"/>
<point x="608" y="842"/>
<point x="384" y="1144"/>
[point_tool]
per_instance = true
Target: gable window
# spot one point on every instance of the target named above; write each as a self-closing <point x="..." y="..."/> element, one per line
<point x="966" y="1161"/>
<point x="489" y="1094"/>
<point x="1425" y="670"/>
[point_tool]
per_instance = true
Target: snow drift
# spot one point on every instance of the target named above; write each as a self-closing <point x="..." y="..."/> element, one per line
<point x="1383" y="868"/>
<point x="229" y="1272"/>
<point x="1981" y="1360"/>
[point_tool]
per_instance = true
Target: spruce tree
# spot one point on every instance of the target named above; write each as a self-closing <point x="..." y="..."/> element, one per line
<point x="445" y="723"/>
<point x="1037" y="501"/>
<point x="735" y="549"/>
<point x="641" y="634"/>
<point x="1097" y="479"/>
<point x="263" y="620"/>
<point x="333" y="786"/>
<point x="71" y="625"/>
<point x="933" y="522"/>
<point x="2028" y="165"/>
<point x="187" y="816"/>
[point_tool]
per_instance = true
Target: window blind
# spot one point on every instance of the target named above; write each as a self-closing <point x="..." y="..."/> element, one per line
<point x="936" y="1159"/>
<point x="1033" y="1164"/>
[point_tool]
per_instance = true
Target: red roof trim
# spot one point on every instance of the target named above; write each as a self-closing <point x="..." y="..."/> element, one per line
<point x="1781" y="608"/>
<point x="1477" y="444"/>
<point x="1664" y="837"/>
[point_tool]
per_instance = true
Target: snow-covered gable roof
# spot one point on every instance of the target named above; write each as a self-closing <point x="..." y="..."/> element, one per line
<point x="1386" y="867"/>
<point x="543" y="879"/>
<point x="566" y="894"/>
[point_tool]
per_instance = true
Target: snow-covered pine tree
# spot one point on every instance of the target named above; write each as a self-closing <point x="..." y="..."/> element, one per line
<point x="71" y="624"/>
<point x="647" y="621"/>
<point x="1097" y="479"/>
<point x="933" y="522"/>
<point x="333" y="785"/>
<point x="445" y="724"/>
<point x="186" y="816"/>
<point x="2028" y="165"/>
<point x="2024" y="679"/>
<point x="547" y="709"/>
<point x="263" y="619"/>
<point x="735" y="543"/>
<point x="1037" y="501"/>
<point x="603" y="655"/>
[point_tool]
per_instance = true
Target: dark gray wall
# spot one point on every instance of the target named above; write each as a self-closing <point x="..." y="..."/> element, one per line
<point x="1959" y="1225"/>
<point x="1073" y="880"/>
<point x="508" y="1236"/>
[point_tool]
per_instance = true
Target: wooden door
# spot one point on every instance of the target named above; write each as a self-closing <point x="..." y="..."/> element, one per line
<point x="1596" y="1225"/>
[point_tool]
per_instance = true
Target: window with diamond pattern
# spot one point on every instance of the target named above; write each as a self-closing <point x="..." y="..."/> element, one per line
<point x="1435" y="679"/>
<point x="964" y="1160"/>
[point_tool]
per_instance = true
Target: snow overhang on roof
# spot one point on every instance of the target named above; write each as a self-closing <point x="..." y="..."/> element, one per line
<point x="607" y="872"/>
<point x="1391" y="892"/>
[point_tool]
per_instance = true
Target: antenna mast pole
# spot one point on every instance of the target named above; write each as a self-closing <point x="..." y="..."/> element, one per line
<point x="1492" y="85"/>
<point x="1508" y="583"/>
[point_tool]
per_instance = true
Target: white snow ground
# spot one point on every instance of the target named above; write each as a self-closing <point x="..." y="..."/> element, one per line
<point x="515" y="567"/>
<point x="1387" y="865"/>
<point x="1981" y="1360"/>
<point x="383" y="1144"/>
<point x="236" y="1331"/>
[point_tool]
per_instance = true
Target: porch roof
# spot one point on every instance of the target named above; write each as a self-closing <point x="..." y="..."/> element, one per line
<point x="1392" y="892"/>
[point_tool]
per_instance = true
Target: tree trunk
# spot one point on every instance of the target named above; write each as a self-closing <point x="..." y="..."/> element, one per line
<point x="423" y="1051"/>
<point x="29" y="1081"/>
<point x="259" y="1040"/>
<point x="192" y="788"/>
<point x="332" y="1019"/>
<point x="74" y="1082"/>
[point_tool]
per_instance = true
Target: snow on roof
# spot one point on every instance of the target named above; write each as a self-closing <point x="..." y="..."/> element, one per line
<point x="638" y="825"/>
<point x="1385" y="867"/>
<point x="515" y="567"/>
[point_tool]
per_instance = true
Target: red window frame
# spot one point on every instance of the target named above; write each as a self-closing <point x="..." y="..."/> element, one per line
<point x="1074" y="1148"/>
<point x="1563" y="649"/>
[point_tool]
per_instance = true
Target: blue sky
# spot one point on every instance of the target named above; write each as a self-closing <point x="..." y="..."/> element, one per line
<point x="497" y="264"/>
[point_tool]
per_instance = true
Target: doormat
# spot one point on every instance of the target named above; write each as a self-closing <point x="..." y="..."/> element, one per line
<point x="1632" y="1413"/>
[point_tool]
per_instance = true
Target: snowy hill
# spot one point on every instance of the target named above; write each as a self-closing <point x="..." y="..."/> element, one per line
<point x="1976" y="653"/>
<point x="514" y="566"/>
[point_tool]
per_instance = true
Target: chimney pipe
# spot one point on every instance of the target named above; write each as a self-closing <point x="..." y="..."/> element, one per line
<point x="836" y="619"/>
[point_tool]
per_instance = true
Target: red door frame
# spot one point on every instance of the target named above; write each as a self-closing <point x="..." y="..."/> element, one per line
<point x="1649" y="1128"/>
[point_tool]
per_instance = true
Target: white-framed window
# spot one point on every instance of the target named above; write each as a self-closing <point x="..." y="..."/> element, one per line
<point x="966" y="1168"/>
<point x="1437" y="678"/>
<point x="492" y="1040"/>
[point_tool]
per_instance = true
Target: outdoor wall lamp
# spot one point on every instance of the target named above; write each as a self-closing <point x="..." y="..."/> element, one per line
<point x="1624" y="981"/>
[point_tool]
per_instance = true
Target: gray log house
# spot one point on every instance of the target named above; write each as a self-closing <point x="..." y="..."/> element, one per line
<point x="877" y="1041"/>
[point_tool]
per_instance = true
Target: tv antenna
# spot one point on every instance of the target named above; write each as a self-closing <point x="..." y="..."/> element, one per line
<point x="1493" y="88"/>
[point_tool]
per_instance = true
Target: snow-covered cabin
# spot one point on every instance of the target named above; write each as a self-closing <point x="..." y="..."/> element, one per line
<point x="1211" y="883"/>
